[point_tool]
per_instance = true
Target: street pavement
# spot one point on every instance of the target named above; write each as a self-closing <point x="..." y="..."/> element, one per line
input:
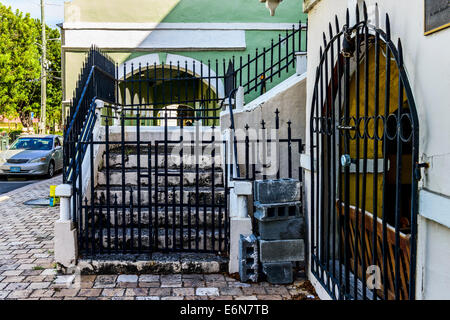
<point x="28" y="270"/>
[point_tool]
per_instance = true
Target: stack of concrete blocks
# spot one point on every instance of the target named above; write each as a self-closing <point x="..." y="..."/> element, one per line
<point x="281" y="228"/>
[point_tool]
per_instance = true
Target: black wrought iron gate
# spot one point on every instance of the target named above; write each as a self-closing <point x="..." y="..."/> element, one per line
<point x="364" y="134"/>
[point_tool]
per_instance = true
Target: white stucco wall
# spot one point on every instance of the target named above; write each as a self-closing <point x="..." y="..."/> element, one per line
<point x="428" y="66"/>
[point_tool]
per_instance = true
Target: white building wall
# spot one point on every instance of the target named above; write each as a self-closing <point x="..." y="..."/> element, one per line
<point x="428" y="66"/>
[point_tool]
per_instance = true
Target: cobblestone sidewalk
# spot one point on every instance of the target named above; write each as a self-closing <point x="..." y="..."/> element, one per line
<point x="27" y="266"/>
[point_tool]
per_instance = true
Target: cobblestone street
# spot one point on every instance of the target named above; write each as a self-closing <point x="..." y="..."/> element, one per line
<point x="27" y="268"/>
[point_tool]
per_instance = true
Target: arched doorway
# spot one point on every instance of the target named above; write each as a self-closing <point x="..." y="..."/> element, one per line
<point x="149" y="87"/>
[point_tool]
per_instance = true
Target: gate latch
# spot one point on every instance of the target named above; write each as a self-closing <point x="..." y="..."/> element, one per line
<point x="346" y="160"/>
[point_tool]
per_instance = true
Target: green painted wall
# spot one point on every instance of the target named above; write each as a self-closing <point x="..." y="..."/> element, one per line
<point x="179" y="11"/>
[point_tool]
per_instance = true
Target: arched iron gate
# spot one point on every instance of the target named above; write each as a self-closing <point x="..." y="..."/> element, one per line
<point x="364" y="157"/>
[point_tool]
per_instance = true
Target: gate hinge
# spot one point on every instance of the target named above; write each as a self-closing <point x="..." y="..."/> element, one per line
<point x="419" y="166"/>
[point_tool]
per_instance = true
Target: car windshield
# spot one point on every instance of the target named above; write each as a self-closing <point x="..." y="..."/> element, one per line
<point x="33" y="144"/>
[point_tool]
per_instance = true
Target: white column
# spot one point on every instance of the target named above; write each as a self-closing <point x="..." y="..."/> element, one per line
<point x="64" y="191"/>
<point x="240" y="222"/>
<point x="301" y="62"/>
<point x="65" y="240"/>
<point x="240" y="98"/>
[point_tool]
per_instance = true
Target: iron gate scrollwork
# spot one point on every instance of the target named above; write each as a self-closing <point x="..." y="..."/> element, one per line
<point x="364" y="134"/>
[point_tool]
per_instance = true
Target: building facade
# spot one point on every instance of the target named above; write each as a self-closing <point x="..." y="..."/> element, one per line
<point x="170" y="32"/>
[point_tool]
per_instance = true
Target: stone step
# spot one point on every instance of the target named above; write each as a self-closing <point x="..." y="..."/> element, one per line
<point x="120" y="217"/>
<point x="205" y="195"/>
<point x="164" y="239"/>
<point x="190" y="178"/>
<point x="152" y="263"/>
<point x="204" y="161"/>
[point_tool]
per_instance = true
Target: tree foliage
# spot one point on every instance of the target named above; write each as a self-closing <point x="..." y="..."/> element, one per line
<point x="20" y="70"/>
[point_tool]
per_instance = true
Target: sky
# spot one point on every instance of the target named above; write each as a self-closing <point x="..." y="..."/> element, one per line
<point x="54" y="9"/>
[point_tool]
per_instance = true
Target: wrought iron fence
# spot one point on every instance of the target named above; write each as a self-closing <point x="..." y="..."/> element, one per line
<point x="96" y="80"/>
<point x="259" y="71"/>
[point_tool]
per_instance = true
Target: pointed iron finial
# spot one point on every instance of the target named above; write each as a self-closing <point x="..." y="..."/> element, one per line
<point x="263" y="124"/>
<point x="400" y="53"/>
<point x="336" y="20"/>
<point x="388" y="28"/>
<point x="357" y="12"/>
<point x="365" y="11"/>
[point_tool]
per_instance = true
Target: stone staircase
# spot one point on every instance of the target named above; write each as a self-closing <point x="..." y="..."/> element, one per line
<point x="132" y="215"/>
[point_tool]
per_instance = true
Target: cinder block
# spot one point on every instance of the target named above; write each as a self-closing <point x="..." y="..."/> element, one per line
<point x="278" y="272"/>
<point x="282" y="229"/>
<point x="281" y="250"/>
<point x="278" y="211"/>
<point x="248" y="258"/>
<point x="273" y="191"/>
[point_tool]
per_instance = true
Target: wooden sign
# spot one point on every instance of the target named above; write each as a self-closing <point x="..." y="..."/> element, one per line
<point x="437" y="15"/>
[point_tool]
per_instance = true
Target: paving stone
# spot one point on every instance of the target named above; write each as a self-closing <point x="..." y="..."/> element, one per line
<point x="221" y="298"/>
<point x="149" y="278"/>
<point x="63" y="281"/>
<point x="272" y="290"/>
<point x="227" y="291"/>
<point x="113" y="292"/>
<point x="171" y="284"/>
<point x="269" y="297"/>
<point x="148" y="298"/>
<point x="246" y="298"/>
<point x="42" y="293"/>
<point x="125" y="278"/>
<point x="160" y="291"/>
<point x="149" y="284"/>
<point x="207" y="291"/>
<point x="193" y="277"/>
<point x="10" y="273"/>
<point x="172" y="298"/>
<point x="171" y="278"/>
<point x="89" y="292"/>
<point x="39" y="285"/>
<point x="214" y="277"/>
<point x="17" y="286"/>
<point x="183" y="292"/>
<point x="217" y="284"/>
<point x="239" y="284"/>
<point x="132" y="292"/>
<point x="13" y="279"/>
<point x="198" y="297"/>
<point x="253" y="291"/>
<point x="4" y="294"/>
<point x="48" y="272"/>
<point x="19" y="294"/>
<point x="66" y="293"/>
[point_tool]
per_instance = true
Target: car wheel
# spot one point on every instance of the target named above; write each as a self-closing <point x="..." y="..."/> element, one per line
<point x="51" y="170"/>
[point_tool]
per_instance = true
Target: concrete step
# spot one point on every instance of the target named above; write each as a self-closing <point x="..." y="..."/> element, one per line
<point x="164" y="239"/>
<point x="190" y="178"/>
<point x="152" y="263"/>
<point x="120" y="217"/>
<point x="204" y="161"/>
<point x="205" y="195"/>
